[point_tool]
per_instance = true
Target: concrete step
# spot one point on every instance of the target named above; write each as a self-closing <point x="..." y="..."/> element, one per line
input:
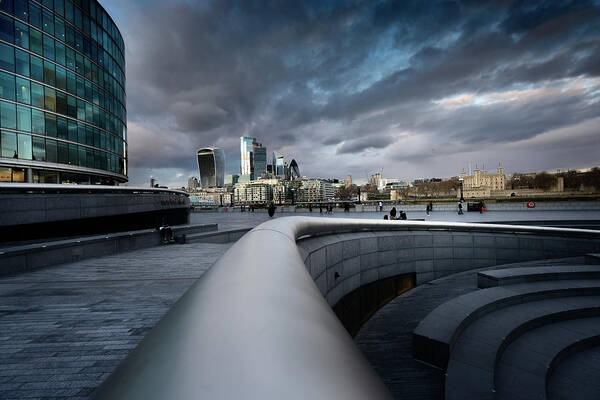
<point x="36" y="255"/>
<point x="526" y="366"/>
<point x="436" y="334"/>
<point x="215" y="237"/>
<point x="592" y="259"/>
<point x="472" y="364"/>
<point x="511" y="276"/>
<point x="581" y="371"/>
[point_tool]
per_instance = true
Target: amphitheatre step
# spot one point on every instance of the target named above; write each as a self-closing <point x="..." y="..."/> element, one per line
<point x="580" y="370"/>
<point x="511" y="276"/>
<point x="526" y="366"/>
<point x="226" y="236"/>
<point x="472" y="364"/>
<point x="436" y="334"/>
<point x="592" y="259"/>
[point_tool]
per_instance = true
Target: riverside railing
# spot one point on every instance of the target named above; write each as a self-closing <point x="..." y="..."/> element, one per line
<point x="256" y="325"/>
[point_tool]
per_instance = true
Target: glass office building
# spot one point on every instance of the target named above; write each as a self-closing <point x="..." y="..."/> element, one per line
<point x="260" y="161"/>
<point x="62" y="93"/>
<point x="211" y="167"/>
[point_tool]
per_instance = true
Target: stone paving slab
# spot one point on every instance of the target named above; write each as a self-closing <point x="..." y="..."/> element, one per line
<point x="64" y="329"/>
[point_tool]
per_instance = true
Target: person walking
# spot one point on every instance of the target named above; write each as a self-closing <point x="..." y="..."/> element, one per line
<point x="271" y="210"/>
<point x="427" y="209"/>
<point x="380" y="206"/>
<point x="460" y="210"/>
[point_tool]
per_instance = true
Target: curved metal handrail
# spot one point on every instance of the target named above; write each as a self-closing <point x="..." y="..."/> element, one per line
<point x="255" y="325"/>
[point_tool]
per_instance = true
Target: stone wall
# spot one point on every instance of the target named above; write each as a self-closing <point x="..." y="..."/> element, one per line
<point x="341" y="263"/>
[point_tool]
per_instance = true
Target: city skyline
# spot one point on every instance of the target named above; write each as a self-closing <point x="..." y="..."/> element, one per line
<point x="419" y="89"/>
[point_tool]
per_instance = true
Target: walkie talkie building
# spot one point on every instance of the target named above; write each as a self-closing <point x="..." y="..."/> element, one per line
<point x="211" y="167"/>
<point x="62" y="93"/>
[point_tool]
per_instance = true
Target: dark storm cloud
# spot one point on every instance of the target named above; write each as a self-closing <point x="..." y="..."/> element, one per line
<point x="352" y="76"/>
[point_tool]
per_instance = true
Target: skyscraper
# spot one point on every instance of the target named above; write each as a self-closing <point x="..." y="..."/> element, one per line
<point x="246" y="147"/>
<point x="211" y="167"/>
<point x="260" y="161"/>
<point x="278" y="164"/>
<point x="253" y="158"/>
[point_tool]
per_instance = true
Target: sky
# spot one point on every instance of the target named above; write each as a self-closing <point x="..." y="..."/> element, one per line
<point x="406" y="88"/>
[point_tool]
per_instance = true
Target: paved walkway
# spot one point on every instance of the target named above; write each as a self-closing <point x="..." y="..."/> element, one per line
<point x="386" y="339"/>
<point x="64" y="329"/>
<point x="236" y="220"/>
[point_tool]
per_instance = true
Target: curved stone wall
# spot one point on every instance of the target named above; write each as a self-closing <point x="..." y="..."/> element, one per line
<point x="340" y="263"/>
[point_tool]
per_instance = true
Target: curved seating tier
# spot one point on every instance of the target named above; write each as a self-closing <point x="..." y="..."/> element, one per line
<point x="522" y="371"/>
<point x="511" y="276"/>
<point x="435" y="337"/>
<point x="580" y="370"/>
<point x="472" y="364"/>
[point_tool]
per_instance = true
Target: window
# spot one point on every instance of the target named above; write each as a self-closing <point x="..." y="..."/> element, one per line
<point x="60" y="53"/>
<point x="50" y="122"/>
<point x="71" y="83"/>
<point x="7" y="57"/>
<point x="21" y="10"/>
<point x="49" y="73"/>
<point x="63" y="153"/>
<point x="37" y="122"/>
<point x="22" y="35"/>
<point x="59" y="7"/>
<point x="61" y="78"/>
<point x="24" y="146"/>
<point x="7" y="86"/>
<point x="59" y="30"/>
<point x="22" y="62"/>
<point x="82" y="156"/>
<point x="35" y="41"/>
<point x="48" y="21"/>
<point x="72" y="127"/>
<point x="71" y="106"/>
<point x="37" y="95"/>
<point x="69" y="11"/>
<point x="61" y="103"/>
<point x="49" y="99"/>
<point x="8" y="141"/>
<point x="35" y="14"/>
<point x="70" y="58"/>
<point x="37" y="68"/>
<point x="61" y="128"/>
<point x="89" y="157"/>
<point x="7" y="29"/>
<point x="48" y="47"/>
<point x="80" y="110"/>
<point x="73" y="154"/>
<point x="51" y="152"/>
<point x="23" y="91"/>
<point x="39" y="148"/>
<point x="8" y="112"/>
<point x="24" y="118"/>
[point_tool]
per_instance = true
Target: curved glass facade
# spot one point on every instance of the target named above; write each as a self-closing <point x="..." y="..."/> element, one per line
<point x="62" y="93"/>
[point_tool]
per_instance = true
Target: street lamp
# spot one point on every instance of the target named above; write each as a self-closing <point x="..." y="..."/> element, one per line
<point x="460" y="181"/>
<point x="292" y="189"/>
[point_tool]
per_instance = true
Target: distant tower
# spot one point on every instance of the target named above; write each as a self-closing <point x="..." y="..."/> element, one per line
<point x="348" y="181"/>
<point x="211" y="167"/>
<point x="294" y="170"/>
<point x="246" y="147"/>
